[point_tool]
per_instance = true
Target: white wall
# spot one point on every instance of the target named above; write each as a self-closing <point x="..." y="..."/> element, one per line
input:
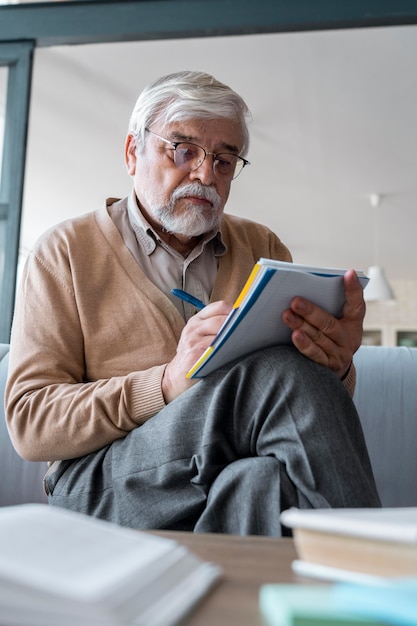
<point x="333" y="121"/>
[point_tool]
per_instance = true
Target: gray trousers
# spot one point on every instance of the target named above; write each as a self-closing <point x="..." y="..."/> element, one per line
<point x="267" y="432"/>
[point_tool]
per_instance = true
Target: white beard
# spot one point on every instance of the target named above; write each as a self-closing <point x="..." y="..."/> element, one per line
<point x="196" y="220"/>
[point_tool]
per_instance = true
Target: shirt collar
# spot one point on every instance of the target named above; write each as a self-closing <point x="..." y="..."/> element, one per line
<point x="149" y="238"/>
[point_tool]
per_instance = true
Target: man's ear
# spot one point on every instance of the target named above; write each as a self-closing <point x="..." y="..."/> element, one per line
<point x="130" y="154"/>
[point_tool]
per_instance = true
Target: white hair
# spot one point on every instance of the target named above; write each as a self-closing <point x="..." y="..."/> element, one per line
<point x="184" y="96"/>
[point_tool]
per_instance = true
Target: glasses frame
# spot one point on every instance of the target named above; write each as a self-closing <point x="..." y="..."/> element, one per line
<point x="175" y="144"/>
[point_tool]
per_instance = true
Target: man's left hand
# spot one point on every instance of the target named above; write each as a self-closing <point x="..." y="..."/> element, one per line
<point x="323" y="338"/>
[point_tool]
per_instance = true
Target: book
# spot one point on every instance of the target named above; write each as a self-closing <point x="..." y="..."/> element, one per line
<point x="66" y="568"/>
<point x="364" y="544"/>
<point x="394" y="602"/>
<point x="307" y="605"/>
<point x="255" y="320"/>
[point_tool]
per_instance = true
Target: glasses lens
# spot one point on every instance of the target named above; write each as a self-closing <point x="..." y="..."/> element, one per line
<point x="225" y="165"/>
<point x="228" y="165"/>
<point x="188" y="156"/>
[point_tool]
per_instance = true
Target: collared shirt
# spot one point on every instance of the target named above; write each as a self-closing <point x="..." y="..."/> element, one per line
<point x="163" y="265"/>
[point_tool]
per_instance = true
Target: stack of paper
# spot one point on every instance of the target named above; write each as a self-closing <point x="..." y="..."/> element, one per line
<point x="61" y="567"/>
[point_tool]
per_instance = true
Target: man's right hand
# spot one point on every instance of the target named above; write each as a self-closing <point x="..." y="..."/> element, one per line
<point x="196" y="337"/>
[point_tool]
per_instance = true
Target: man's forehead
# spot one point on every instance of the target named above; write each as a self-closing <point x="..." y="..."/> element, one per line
<point x="224" y="132"/>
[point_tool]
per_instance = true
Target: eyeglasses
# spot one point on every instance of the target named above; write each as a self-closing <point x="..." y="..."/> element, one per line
<point x="189" y="157"/>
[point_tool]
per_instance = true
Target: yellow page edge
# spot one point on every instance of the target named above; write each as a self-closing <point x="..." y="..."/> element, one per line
<point x="206" y="354"/>
<point x="247" y="286"/>
<point x="200" y="361"/>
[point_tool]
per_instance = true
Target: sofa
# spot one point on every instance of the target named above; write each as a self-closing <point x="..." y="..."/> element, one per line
<point x="386" y="400"/>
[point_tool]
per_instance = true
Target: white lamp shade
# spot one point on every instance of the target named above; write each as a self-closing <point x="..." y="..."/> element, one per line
<point x="378" y="287"/>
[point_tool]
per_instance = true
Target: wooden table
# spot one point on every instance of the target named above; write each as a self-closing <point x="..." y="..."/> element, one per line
<point x="247" y="562"/>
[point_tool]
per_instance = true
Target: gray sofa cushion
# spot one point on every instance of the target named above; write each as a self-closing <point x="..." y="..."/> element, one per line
<point x="21" y="481"/>
<point x="386" y="400"/>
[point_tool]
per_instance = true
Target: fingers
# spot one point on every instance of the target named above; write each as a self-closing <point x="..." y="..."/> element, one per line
<point x="212" y="312"/>
<point x="354" y="307"/>
<point x="324" y="338"/>
<point x="196" y="337"/>
<point x="316" y="343"/>
<point x="202" y="328"/>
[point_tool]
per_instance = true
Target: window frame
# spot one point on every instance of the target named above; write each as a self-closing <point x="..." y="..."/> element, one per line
<point x="18" y="58"/>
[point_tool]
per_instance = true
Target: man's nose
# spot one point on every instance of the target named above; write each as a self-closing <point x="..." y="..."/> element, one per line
<point x="204" y="172"/>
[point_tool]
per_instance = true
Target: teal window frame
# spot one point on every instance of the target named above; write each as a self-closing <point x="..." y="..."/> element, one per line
<point x="18" y="58"/>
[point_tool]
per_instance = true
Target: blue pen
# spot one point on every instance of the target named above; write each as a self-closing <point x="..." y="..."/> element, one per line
<point x="187" y="297"/>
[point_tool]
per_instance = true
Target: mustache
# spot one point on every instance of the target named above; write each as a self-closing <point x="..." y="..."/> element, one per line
<point x="198" y="190"/>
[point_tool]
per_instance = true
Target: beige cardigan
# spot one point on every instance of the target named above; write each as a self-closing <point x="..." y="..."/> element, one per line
<point x="92" y="335"/>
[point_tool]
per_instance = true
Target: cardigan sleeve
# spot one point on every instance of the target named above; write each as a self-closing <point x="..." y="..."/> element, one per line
<point x="55" y="408"/>
<point x="349" y="379"/>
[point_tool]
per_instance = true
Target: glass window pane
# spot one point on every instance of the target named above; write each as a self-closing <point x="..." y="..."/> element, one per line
<point x="3" y="229"/>
<point x="3" y="94"/>
<point x="3" y="208"/>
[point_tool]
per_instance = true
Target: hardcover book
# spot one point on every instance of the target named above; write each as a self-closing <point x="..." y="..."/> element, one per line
<point x="360" y="545"/>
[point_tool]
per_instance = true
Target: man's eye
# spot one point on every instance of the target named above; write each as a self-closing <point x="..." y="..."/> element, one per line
<point x="225" y="159"/>
<point x="187" y="152"/>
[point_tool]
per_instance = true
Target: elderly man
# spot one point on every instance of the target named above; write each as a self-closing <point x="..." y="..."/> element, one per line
<point x="100" y="347"/>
